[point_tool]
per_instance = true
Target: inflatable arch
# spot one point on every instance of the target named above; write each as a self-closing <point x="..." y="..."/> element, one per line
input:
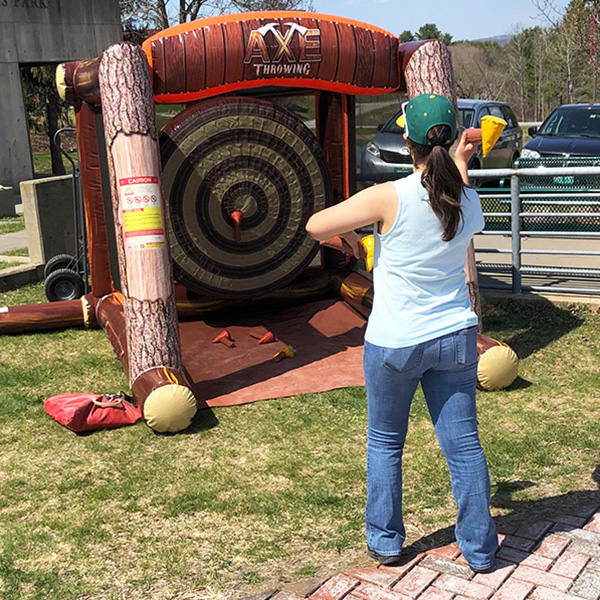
<point x="218" y="201"/>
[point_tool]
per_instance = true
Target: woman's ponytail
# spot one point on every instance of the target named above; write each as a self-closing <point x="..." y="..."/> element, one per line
<point x="441" y="178"/>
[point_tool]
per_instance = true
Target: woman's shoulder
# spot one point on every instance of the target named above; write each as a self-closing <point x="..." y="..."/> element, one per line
<point x="406" y="183"/>
<point x="470" y="194"/>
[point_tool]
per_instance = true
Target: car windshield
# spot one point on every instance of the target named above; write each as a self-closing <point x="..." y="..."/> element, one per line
<point x="466" y="117"/>
<point x="391" y="126"/>
<point x="573" y="122"/>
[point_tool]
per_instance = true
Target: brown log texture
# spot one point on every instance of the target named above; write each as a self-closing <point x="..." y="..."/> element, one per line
<point x="429" y="70"/>
<point x="110" y="313"/>
<point x="111" y="317"/>
<point x="95" y="221"/>
<point x="48" y="316"/>
<point x="78" y="80"/>
<point x="132" y="149"/>
<point x="210" y="56"/>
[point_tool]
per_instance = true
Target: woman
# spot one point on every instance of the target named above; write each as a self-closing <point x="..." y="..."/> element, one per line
<point x="422" y="327"/>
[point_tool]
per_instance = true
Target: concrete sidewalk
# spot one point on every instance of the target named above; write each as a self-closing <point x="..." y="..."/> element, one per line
<point x="554" y="559"/>
<point x="13" y="241"/>
<point x="22" y="274"/>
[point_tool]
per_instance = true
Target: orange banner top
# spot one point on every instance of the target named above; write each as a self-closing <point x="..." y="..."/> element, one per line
<point x="298" y="49"/>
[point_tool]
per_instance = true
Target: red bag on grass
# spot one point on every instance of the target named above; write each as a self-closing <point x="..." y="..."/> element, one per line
<point x="81" y="412"/>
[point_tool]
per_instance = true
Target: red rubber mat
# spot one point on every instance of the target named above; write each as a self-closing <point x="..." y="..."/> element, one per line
<point x="327" y="337"/>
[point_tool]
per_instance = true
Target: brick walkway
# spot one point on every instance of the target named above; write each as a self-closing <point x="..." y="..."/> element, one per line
<point x="554" y="559"/>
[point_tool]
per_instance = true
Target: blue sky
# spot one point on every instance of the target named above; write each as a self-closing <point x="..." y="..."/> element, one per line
<point x="462" y="19"/>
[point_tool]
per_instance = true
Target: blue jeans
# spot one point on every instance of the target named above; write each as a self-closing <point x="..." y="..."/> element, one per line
<point x="447" y="369"/>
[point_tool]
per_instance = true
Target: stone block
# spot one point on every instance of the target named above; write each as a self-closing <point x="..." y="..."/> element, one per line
<point x="7" y="202"/>
<point x="49" y="218"/>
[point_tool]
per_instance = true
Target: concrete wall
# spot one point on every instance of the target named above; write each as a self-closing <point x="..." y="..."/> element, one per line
<point x="49" y="217"/>
<point x="7" y="207"/>
<point x="42" y="32"/>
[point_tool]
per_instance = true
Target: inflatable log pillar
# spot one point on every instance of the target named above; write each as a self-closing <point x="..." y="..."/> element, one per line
<point x="150" y="316"/>
<point x="427" y="68"/>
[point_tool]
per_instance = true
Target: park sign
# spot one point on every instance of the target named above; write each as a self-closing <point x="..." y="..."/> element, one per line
<point x="42" y="32"/>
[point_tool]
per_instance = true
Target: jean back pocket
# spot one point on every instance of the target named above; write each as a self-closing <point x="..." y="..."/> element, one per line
<point x="465" y="344"/>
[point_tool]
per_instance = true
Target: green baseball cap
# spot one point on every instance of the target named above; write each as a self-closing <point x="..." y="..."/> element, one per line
<point x="424" y="112"/>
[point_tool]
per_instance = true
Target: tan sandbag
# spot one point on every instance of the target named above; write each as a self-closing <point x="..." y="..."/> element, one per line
<point x="497" y="368"/>
<point x="170" y="408"/>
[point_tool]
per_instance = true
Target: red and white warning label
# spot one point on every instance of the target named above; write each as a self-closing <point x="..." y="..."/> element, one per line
<point x="143" y="225"/>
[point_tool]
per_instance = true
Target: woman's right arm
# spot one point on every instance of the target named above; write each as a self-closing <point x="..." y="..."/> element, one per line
<point x="378" y="203"/>
<point x="462" y="156"/>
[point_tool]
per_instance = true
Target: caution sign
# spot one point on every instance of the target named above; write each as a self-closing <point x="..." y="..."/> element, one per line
<point x="143" y="225"/>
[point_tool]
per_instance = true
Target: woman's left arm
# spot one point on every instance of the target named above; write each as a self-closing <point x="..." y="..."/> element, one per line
<point x="378" y="203"/>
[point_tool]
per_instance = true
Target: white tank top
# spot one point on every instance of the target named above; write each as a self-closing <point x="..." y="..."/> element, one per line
<point x="420" y="291"/>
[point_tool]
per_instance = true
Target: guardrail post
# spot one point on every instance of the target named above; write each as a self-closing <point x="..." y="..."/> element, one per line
<point x="515" y="228"/>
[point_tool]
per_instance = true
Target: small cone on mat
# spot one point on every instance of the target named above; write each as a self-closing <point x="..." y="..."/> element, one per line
<point x="263" y="338"/>
<point x="267" y="338"/>
<point x="224" y="338"/>
<point x="287" y="352"/>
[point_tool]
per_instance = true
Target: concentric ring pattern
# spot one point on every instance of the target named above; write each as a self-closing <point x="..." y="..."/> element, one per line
<point x="248" y="155"/>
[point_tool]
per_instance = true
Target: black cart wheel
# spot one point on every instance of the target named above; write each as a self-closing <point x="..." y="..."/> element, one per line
<point x="60" y="261"/>
<point x="63" y="284"/>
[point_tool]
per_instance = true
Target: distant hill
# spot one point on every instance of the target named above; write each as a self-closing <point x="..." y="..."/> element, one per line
<point x="499" y="39"/>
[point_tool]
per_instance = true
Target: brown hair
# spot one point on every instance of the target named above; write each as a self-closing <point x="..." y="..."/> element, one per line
<point x="441" y="178"/>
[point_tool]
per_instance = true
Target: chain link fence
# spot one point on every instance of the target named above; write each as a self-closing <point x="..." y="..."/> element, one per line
<point x="549" y="211"/>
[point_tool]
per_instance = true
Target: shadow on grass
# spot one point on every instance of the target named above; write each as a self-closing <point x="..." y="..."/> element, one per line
<point x="576" y="504"/>
<point x="535" y="323"/>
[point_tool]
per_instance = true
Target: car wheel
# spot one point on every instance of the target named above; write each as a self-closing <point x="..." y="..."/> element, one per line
<point x="63" y="284"/>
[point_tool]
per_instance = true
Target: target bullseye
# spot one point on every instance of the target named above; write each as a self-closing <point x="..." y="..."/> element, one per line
<point x="242" y="176"/>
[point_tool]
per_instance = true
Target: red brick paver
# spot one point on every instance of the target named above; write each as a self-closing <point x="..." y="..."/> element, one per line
<point x="554" y="559"/>
<point x="552" y="546"/>
<point x="570" y="564"/>
<point x="415" y="582"/>
<point x="381" y="577"/>
<point x="336" y="588"/>
<point x="432" y="593"/>
<point x="368" y="591"/>
<point x="542" y="593"/>
<point x="513" y="590"/>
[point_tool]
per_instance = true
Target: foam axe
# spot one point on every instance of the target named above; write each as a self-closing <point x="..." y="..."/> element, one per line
<point x="491" y="128"/>
<point x="366" y="249"/>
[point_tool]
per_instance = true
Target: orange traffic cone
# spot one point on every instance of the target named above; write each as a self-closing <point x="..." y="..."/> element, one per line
<point x="225" y="338"/>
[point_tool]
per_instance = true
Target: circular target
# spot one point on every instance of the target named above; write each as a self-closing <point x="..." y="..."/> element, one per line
<point x="242" y="177"/>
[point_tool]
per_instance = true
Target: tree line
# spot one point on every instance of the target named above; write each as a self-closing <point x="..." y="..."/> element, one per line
<point x="536" y="70"/>
<point x="540" y="67"/>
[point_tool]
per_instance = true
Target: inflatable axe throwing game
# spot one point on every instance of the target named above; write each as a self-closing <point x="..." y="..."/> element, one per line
<point x="210" y="213"/>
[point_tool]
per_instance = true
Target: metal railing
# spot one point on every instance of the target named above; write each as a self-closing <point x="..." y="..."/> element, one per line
<point x="551" y="220"/>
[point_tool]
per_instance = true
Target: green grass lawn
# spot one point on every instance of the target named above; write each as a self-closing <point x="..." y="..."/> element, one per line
<point x="17" y="252"/>
<point x="42" y="164"/>
<point x="11" y="224"/>
<point x="254" y="496"/>
<point x="7" y="264"/>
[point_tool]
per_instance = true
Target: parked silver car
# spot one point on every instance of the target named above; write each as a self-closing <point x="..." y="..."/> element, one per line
<point x="386" y="156"/>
